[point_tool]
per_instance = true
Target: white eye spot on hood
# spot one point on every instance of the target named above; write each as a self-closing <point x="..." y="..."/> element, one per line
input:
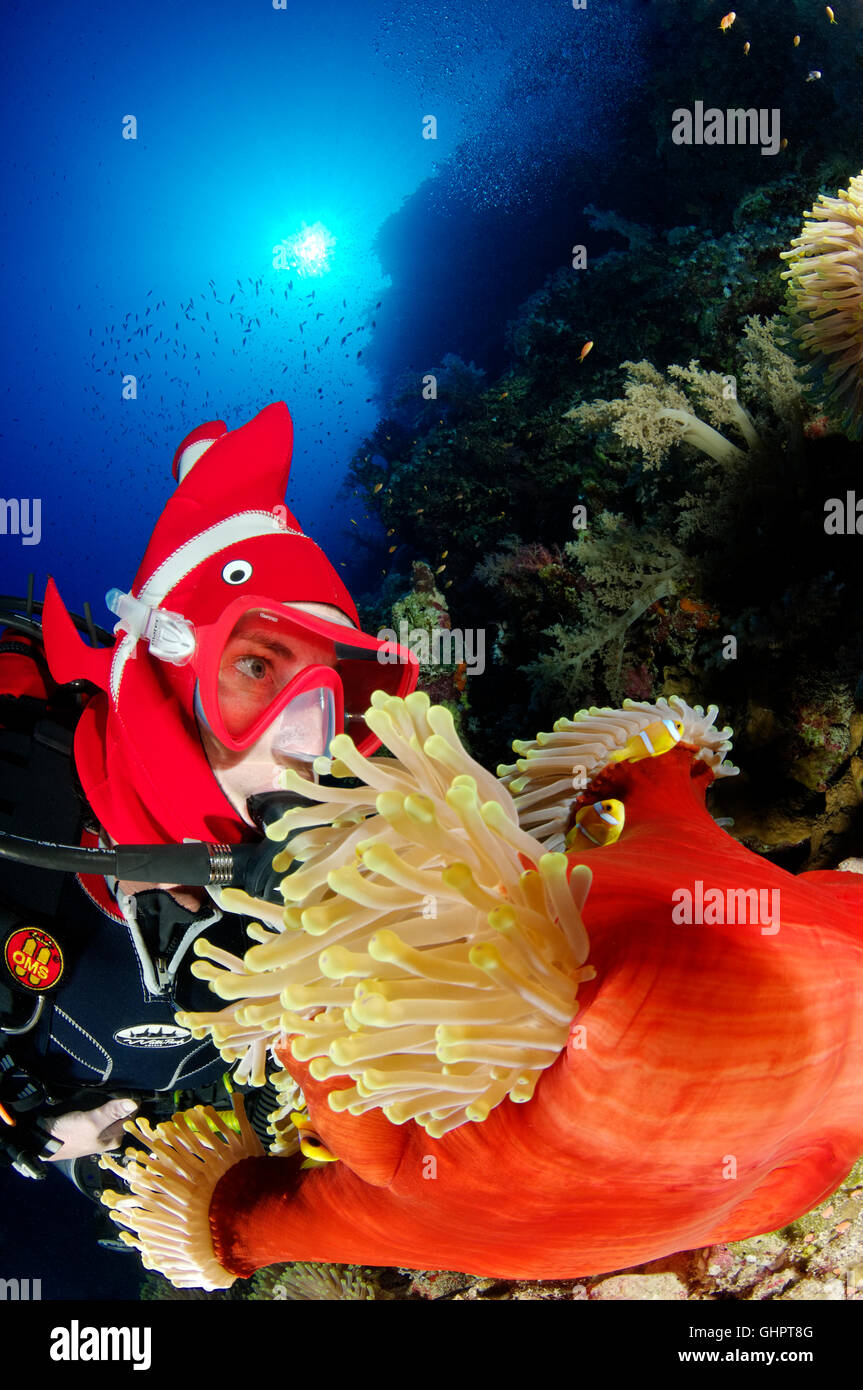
<point x="237" y="572"/>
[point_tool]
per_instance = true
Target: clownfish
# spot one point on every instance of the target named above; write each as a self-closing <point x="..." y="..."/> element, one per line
<point x="657" y="738"/>
<point x="600" y="824"/>
<point x="727" y="20"/>
<point x="312" y="1149"/>
<point x="310" y="1145"/>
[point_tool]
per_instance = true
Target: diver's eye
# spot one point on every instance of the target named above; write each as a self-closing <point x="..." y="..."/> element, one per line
<point x="237" y="572"/>
<point x="254" y="666"/>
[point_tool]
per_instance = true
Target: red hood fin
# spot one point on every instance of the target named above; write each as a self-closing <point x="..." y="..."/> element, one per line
<point x="68" y="655"/>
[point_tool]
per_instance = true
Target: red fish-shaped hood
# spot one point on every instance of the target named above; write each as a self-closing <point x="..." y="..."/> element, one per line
<point x="226" y="529"/>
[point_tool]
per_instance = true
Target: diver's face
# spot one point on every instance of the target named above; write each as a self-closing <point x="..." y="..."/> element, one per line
<point x="258" y="662"/>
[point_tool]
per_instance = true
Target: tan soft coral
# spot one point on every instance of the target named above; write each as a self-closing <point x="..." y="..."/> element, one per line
<point x="625" y="571"/>
<point x="653" y="415"/>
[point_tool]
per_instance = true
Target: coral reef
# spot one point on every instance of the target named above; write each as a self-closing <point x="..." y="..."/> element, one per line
<point x="306" y="1283"/>
<point x="653" y="415"/>
<point x="705" y="476"/>
<point x="420" y="621"/>
<point x="624" y="572"/>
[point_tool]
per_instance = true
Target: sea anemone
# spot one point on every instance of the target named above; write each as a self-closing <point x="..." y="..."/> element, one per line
<point x="449" y="970"/>
<point x="825" y="280"/>
<point x="306" y="1283"/>
<point x="555" y="768"/>
<point x="171" y="1189"/>
<point x="710" y="1087"/>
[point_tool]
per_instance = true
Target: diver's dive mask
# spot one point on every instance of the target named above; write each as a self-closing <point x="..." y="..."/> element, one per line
<point x="272" y="678"/>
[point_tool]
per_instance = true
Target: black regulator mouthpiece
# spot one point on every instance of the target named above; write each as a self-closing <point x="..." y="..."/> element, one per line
<point x="246" y="866"/>
<point x="196" y="865"/>
<point x="253" y="864"/>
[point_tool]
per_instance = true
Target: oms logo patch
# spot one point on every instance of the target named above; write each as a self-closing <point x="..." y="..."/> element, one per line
<point x="153" y="1035"/>
<point x="33" y="958"/>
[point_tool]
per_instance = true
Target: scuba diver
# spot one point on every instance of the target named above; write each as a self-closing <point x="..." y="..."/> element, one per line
<point x="138" y="771"/>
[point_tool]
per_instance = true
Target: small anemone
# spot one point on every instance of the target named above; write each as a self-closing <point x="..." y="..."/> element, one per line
<point x="168" y="1201"/>
<point x="305" y="1283"/>
<point x="825" y="282"/>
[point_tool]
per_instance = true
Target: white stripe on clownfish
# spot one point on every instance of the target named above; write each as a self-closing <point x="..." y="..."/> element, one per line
<point x="600" y="823"/>
<point x="657" y="738"/>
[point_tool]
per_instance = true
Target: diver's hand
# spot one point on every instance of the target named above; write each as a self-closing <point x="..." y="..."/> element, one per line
<point x="84" y="1132"/>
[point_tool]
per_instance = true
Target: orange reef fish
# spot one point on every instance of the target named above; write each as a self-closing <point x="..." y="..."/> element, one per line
<point x="796" y="40"/>
<point x="691" y="605"/>
<point x="585" y="350"/>
<point x="727" y="20"/>
<point x="829" y="13"/>
<point x="599" y="824"/>
<point x="746" y="48"/>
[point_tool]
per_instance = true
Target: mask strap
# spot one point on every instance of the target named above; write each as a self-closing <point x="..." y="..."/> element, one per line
<point x="170" y="636"/>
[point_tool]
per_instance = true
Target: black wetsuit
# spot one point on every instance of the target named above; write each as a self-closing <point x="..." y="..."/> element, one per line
<point x="107" y="1021"/>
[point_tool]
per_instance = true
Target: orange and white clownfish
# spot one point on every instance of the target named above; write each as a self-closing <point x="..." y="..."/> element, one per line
<point x="657" y="738"/>
<point x="600" y="824"/>
<point x="311" y="1147"/>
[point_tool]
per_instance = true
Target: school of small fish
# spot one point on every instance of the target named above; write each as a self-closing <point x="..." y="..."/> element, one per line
<point x="195" y="350"/>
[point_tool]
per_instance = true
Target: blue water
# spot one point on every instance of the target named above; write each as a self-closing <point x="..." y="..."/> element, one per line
<point x="121" y="256"/>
